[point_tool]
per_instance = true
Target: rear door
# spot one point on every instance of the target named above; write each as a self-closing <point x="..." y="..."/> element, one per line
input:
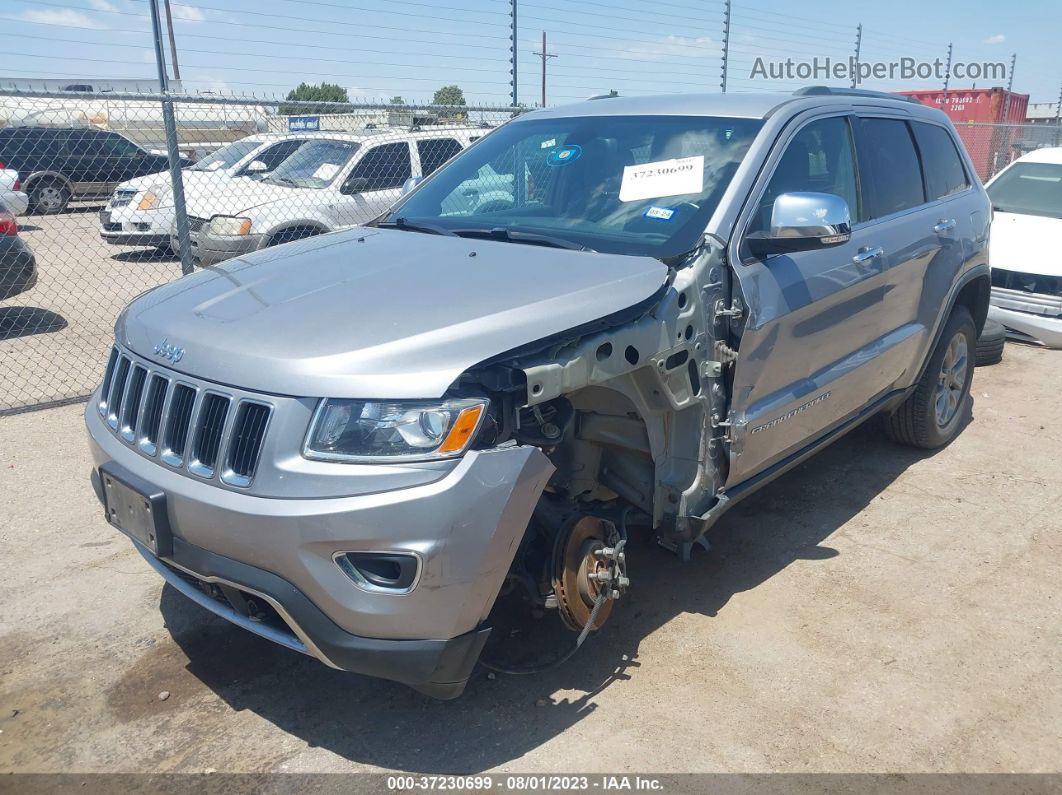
<point x="374" y="184"/>
<point x="951" y="227"/>
<point x="817" y="321"/>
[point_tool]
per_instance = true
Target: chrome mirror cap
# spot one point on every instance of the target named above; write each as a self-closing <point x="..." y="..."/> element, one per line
<point x="803" y="222"/>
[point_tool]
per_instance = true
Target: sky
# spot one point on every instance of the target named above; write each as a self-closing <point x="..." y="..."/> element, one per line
<point x="378" y="49"/>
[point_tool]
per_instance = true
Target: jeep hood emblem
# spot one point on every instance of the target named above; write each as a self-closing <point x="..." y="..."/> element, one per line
<point x="167" y="351"/>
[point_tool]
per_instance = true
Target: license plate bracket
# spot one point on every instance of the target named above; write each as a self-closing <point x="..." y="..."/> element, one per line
<point x="137" y="508"/>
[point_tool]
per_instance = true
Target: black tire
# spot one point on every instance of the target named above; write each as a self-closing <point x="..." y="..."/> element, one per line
<point x="48" y="197"/>
<point x="917" y="422"/>
<point x="990" y="343"/>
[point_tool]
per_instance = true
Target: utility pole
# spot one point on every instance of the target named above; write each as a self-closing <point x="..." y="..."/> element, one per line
<point x="858" y="47"/>
<point x="170" y="124"/>
<point x="545" y="55"/>
<point x="512" y="54"/>
<point x="173" y="42"/>
<point x="947" y="73"/>
<point x="1058" y="117"/>
<point x="726" y="44"/>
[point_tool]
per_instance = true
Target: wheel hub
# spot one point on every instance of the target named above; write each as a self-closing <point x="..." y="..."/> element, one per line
<point x="575" y="571"/>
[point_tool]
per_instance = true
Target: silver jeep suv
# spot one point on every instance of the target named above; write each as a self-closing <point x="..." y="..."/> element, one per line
<point x="351" y="444"/>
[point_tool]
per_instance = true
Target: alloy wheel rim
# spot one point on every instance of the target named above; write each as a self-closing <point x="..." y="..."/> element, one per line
<point x="951" y="383"/>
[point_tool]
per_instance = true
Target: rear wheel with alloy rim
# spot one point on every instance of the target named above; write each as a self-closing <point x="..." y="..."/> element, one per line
<point x="932" y="415"/>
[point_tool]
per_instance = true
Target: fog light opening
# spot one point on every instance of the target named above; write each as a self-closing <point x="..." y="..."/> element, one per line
<point x="380" y="572"/>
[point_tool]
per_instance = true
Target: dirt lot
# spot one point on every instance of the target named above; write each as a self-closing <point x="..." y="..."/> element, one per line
<point x="54" y="338"/>
<point x="874" y="610"/>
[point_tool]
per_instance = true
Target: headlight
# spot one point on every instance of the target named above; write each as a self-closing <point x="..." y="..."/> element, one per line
<point x="379" y="431"/>
<point x="151" y="199"/>
<point x="227" y="225"/>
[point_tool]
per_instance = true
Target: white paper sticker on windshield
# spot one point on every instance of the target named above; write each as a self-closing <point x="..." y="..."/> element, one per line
<point x="548" y="144"/>
<point x="662" y="178"/>
<point x="326" y="171"/>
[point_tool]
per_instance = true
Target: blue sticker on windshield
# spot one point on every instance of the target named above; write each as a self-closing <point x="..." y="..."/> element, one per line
<point x="564" y="155"/>
<point x="660" y="213"/>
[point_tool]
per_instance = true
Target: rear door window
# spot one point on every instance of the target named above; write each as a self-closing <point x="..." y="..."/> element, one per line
<point x="890" y="175"/>
<point x="941" y="163"/>
<point x="434" y="152"/>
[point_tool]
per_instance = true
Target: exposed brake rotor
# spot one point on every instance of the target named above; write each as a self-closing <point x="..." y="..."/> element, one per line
<point x="581" y="569"/>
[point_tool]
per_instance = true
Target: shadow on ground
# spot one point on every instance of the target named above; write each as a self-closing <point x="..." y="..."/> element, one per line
<point x="381" y="723"/>
<point x="25" y="321"/>
<point x="146" y="255"/>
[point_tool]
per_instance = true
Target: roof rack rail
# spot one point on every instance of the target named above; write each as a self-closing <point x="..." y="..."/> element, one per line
<point x="818" y="91"/>
<point x="609" y="95"/>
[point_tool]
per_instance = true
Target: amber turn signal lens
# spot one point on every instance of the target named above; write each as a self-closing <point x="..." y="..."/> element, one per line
<point x="460" y="435"/>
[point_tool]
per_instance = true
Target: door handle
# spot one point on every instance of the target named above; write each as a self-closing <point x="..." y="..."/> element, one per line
<point x="868" y="253"/>
<point x="944" y="225"/>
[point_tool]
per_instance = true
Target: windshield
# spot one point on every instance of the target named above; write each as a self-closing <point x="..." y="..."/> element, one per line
<point x="640" y="185"/>
<point x="225" y="157"/>
<point x="314" y="165"/>
<point x="1029" y="189"/>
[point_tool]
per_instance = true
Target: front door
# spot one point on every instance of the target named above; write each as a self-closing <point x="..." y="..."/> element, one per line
<point x="373" y="185"/>
<point x="815" y="321"/>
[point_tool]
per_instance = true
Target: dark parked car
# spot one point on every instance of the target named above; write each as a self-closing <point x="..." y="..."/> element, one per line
<point x="18" y="268"/>
<point x="60" y="164"/>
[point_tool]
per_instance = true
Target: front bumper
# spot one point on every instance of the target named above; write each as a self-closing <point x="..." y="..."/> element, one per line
<point x="464" y="527"/>
<point x="208" y="249"/>
<point x="18" y="267"/>
<point x="1030" y="327"/>
<point x="126" y="226"/>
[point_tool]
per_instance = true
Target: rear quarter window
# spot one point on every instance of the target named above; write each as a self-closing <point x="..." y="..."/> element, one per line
<point x="941" y="163"/>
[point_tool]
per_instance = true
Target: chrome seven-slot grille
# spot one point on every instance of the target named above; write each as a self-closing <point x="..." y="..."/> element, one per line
<point x="186" y="426"/>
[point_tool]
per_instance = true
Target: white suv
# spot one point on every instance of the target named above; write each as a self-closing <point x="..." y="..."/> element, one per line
<point x="334" y="181"/>
<point x="140" y="211"/>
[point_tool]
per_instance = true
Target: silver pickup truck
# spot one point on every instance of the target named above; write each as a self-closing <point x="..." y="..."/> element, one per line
<point x="350" y="444"/>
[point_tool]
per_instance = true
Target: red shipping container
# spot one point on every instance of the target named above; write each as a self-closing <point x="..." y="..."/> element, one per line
<point x="973" y="110"/>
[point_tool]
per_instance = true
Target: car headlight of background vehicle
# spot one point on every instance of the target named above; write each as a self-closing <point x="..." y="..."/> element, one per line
<point x="230" y="226"/>
<point x="381" y="431"/>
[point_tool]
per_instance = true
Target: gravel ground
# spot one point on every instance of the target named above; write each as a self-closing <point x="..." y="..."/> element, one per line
<point x="874" y="610"/>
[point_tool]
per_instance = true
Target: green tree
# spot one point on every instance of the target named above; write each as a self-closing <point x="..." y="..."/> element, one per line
<point x="449" y="95"/>
<point x="306" y="92"/>
<point x="397" y="101"/>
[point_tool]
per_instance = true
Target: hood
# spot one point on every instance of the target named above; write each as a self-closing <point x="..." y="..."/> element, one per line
<point x="159" y="179"/>
<point x="1026" y="243"/>
<point x="207" y="198"/>
<point x="376" y="313"/>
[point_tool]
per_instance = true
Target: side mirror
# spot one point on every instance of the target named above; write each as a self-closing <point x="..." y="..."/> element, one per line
<point x="356" y="185"/>
<point x="803" y="222"/>
<point x="410" y="184"/>
<point x="256" y="166"/>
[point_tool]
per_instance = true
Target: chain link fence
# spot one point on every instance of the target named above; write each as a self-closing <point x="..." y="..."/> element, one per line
<point x="994" y="146"/>
<point x="90" y="220"/>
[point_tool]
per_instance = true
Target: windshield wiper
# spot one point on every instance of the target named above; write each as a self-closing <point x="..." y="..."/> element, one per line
<point x="281" y="181"/>
<point x="516" y="236"/>
<point x="415" y="226"/>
